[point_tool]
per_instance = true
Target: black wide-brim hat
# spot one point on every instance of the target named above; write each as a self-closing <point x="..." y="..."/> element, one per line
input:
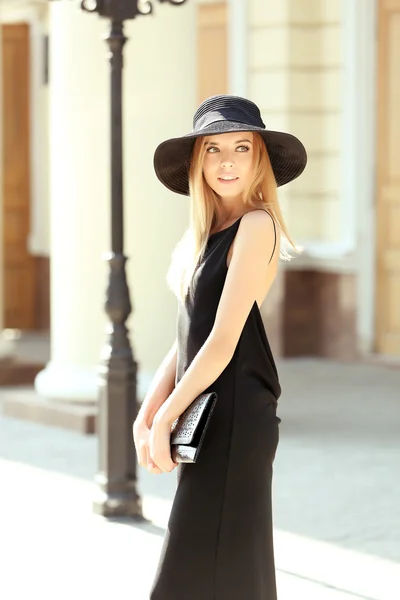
<point x="226" y="114"/>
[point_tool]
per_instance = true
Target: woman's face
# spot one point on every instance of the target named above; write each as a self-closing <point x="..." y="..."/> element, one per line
<point x="228" y="163"/>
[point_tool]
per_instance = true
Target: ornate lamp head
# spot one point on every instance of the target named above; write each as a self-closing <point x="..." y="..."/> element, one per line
<point x="119" y="10"/>
<point x="122" y="9"/>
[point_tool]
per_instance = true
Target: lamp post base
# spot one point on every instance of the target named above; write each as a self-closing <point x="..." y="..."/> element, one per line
<point x="127" y="504"/>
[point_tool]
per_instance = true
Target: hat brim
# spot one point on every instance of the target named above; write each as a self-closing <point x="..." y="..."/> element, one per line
<point x="172" y="157"/>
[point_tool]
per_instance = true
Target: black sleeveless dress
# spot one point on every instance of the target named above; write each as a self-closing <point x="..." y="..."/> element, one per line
<point x="219" y="541"/>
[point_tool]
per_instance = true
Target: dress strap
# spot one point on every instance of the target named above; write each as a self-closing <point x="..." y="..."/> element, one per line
<point x="273" y="220"/>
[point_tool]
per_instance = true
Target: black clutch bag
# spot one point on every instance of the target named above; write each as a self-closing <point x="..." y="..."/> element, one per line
<point x="188" y="431"/>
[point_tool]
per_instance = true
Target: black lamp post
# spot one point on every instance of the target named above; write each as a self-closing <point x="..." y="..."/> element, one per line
<point x="118" y="403"/>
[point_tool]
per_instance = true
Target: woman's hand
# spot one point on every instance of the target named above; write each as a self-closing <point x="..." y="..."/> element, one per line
<point x="160" y="443"/>
<point x="141" y="437"/>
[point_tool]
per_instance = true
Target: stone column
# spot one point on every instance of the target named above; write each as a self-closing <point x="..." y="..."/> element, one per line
<point x="79" y="202"/>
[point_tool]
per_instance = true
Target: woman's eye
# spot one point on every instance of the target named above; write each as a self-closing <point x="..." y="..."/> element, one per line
<point x="214" y="149"/>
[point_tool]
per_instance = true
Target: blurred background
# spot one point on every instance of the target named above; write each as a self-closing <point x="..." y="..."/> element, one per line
<point x="324" y="70"/>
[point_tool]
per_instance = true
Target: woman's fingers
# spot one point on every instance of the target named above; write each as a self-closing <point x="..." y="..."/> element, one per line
<point x="153" y="468"/>
<point x="160" y="445"/>
<point x="141" y="435"/>
<point x="143" y="453"/>
<point x="146" y="441"/>
<point x="144" y="459"/>
<point x="164" y="460"/>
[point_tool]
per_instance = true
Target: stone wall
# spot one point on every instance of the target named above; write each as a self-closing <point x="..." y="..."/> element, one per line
<point x="294" y="75"/>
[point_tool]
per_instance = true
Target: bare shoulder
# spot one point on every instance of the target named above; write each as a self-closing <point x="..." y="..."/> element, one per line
<point x="256" y="228"/>
<point x="255" y="237"/>
<point x="257" y="220"/>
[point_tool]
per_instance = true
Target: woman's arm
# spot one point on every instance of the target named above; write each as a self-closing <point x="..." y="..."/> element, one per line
<point x="161" y="387"/>
<point x="248" y="280"/>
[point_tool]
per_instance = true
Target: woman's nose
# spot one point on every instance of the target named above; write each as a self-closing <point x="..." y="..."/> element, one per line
<point x="227" y="162"/>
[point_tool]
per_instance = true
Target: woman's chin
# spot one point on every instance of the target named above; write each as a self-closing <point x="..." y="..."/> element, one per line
<point x="227" y="191"/>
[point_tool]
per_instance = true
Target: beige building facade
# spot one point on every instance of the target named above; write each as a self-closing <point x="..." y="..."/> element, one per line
<point x="313" y="67"/>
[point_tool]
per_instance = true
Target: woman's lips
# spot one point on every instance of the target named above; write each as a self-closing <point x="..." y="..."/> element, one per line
<point x="227" y="180"/>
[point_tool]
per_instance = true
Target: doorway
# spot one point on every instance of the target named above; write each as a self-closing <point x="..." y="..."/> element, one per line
<point x="20" y="267"/>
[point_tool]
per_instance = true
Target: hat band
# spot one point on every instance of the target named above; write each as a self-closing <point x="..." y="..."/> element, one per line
<point x="216" y="116"/>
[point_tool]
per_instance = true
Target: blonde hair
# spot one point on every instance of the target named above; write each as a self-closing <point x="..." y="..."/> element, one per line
<point x="205" y="213"/>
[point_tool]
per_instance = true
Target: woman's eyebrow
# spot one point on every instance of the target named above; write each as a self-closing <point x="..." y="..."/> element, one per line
<point x="217" y="144"/>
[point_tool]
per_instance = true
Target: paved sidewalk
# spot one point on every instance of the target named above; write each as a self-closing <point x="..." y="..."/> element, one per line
<point x="336" y="508"/>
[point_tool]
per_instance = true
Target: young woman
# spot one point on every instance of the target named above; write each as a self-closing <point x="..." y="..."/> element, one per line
<point x="219" y="542"/>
